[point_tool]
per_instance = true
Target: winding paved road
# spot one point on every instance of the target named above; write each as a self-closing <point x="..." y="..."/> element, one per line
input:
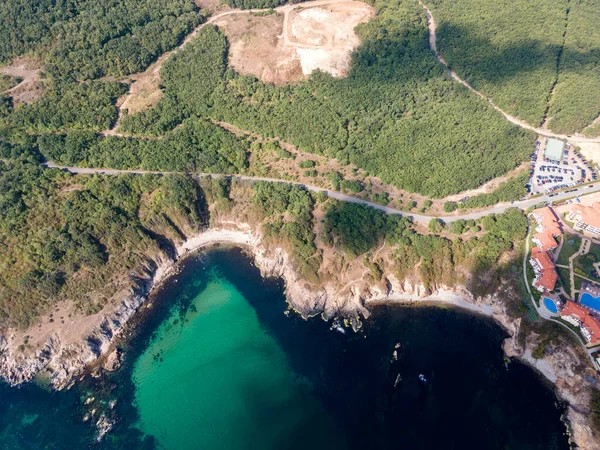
<point x="496" y="209"/>
<point x="547" y="315"/>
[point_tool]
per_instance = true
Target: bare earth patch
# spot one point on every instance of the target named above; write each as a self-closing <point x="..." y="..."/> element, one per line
<point x="324" y="36"/>
<point x="290" y="44"/>
<point x="144" y="92"/>
<point x="256" y="47"/>
<point x="589" y="150"/>
<point x="30" y="88"/>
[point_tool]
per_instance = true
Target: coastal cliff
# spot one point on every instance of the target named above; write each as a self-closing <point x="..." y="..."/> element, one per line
<point x="63" y="358"/>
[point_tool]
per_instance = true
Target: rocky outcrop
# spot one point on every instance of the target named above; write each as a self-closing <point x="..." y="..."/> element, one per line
<point x="64" y="362"/>
<point x="572" y="377"/>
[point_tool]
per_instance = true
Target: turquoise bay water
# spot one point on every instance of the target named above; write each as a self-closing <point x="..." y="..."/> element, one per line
<point x="213" y="378"/>
<point x="216" y="363"/>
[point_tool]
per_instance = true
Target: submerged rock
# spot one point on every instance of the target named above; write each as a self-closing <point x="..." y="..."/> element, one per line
<point x="104" y="425"/>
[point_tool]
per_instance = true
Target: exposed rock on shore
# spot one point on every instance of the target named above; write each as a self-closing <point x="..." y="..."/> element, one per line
<point x="65" y="358"/>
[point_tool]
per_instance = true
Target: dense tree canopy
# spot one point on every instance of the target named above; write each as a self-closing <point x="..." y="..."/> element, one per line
<point x="197" y="146"/>
<point x="70" y="106"/>
<point x="527" y="56"/>
<point x="287" y="212"/>
<point x="397" y="114"/>
<point x="72" y="237"/>
<point x="88" y="39"/>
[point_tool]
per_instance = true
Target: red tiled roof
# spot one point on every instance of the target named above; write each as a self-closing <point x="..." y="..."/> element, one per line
<point x="545" y="240"/>
<point x="593" y="326"/>
<point x="548" y="221"/>
<point x="546" y="280"/>
<point x="574" y="309"/>
<point x="589" y="214"/>
<point x="542" y="258"/>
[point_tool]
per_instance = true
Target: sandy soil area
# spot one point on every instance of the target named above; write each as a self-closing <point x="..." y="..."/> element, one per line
<point x="292" y="43"/>
<point x="215" y="236"/>
<point x="488" y="187"/>
<point x="30" y="88"/>
<point x="324" y="35"/>
<point x="589" y="150"/>
<point x="144" y="92"/>
<point x="440" y="297"/>
<point x="257" y="48"/>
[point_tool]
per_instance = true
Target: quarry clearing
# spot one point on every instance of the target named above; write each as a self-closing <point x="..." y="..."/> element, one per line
<point x="30" y="88"/>
<point x="279" y="47"/>
<point x="295" y="40"/>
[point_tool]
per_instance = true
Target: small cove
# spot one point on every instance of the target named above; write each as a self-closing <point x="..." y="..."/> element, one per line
<point x="216" y="363"/>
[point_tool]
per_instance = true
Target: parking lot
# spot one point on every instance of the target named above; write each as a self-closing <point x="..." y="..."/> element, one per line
<point x="549" y="175"/>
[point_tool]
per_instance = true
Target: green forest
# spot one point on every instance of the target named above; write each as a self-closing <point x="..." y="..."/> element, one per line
<point x="71" y="237"/>
<point x="397" y="115"/>
<point x="88" y="39"/>
<point x="196" y="146"/>
<point x="65" y="237"/>
<point x="576" y="100"/>
<point x="357" y="229"/>
<point x="536" y="59"/>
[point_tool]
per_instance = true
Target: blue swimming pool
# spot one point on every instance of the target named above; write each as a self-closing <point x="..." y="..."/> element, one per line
<point x="550" y="305"/>
<point x="590" y="301"/>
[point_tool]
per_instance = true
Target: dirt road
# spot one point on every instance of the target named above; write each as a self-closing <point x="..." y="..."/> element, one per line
<point x="515" y="120"/>
<point x="153" y="72"/>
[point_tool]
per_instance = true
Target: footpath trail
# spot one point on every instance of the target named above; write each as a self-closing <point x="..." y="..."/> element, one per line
<point x="424" y="219"/>
<point x="432" y="26"/>
<point x="547" y="315"/>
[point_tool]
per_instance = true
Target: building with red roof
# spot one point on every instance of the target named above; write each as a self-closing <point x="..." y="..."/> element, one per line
<point x="545" y="271"/>
<point x="581" y="317"/>
<point x="547" y="228"/>
<point x="586" y="218"/>
<point x="591" y="325"/>
<point x="575" y="310"/>
<point x="545" y="240"/>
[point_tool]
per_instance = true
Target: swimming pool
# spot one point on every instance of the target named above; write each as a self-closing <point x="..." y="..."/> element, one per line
<point x="550" y="305"/>
<point x="590" y="301"/>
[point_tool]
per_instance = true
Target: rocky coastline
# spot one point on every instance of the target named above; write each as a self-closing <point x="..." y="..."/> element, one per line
<point x="62" y="362"/>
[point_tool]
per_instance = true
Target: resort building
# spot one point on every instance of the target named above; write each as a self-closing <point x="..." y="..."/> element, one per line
<point x="586" y="218"/>
<point x="591" y="329"/>
<point x="547" y="228"/>
<point x="581" y="317"/>
<point x="545" y="272"/>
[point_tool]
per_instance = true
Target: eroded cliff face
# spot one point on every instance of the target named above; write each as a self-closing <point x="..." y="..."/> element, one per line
<point x="573" y="377"/>
<point x="63" y="358"/>
<point x="70" y="348"/>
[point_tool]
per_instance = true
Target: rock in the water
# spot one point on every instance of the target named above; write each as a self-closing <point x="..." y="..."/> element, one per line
<point x="113" y="360"/>
<point x="104" y="425"/>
